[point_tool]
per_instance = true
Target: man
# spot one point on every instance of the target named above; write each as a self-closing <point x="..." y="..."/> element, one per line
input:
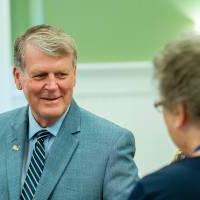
<point x="53" y="149"/>
<point x="177" y="69"/>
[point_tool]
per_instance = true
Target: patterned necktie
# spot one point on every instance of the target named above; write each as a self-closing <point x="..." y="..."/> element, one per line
<point x="36" y="167"/>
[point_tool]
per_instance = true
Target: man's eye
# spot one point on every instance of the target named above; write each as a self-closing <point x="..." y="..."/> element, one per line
<point x="61" y="75"/>
<point x="39" y="76"/>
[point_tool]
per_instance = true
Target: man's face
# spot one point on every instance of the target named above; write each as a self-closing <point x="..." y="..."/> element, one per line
<point x="47" y="83"/>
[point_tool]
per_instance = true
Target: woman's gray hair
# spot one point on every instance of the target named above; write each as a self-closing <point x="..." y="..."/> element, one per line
<point x="177" y="69"/>
<point x="48" y="39"/>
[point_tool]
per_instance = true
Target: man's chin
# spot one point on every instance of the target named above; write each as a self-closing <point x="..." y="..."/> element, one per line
<point x="50" y="116"/>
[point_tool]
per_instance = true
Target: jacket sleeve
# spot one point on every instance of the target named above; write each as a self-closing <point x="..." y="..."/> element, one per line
<point x="121" y="172"/>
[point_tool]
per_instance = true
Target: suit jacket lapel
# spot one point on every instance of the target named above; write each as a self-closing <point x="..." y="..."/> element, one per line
<point x="61" y="153"/>
<point x="17" y="135"/>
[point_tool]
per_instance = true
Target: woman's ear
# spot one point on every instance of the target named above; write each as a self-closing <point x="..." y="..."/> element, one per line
<point x="181" y="116"/>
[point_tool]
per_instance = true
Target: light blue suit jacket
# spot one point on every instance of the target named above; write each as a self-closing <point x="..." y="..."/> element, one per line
<point x="90" y="159"/>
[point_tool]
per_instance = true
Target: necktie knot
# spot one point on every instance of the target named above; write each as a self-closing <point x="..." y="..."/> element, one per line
<point x="42" y="135"/>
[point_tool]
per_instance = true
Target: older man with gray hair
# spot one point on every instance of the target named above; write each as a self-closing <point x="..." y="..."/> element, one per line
<point x="53" y="149"/>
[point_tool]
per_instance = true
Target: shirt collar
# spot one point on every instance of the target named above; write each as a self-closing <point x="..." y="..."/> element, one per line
<point x="34" y="127"/>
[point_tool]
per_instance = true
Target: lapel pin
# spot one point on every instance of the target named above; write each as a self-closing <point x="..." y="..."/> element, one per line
<point x="15" y="147"/>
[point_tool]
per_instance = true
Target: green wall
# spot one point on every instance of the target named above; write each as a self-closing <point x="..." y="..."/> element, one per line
<point x="109" y="30"/>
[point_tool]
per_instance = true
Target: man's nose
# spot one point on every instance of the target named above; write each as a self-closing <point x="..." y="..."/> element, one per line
<point x="51" y="83"/>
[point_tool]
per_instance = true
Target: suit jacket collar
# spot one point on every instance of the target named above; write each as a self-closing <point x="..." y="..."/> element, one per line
<point x="16" y="140"/>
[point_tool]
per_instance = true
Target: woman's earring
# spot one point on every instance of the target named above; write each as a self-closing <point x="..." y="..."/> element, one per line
<point x="19" y="87"/>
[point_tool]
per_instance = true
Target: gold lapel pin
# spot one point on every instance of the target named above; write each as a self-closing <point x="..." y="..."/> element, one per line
<point x="15" y="147"/>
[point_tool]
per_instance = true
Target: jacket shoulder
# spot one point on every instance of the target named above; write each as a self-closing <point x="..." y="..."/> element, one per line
<point x="97" y="124"/>
<point x="12" y="114"/>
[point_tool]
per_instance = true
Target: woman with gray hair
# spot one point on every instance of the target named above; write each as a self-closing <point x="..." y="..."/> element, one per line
<point x="177" y="69"/>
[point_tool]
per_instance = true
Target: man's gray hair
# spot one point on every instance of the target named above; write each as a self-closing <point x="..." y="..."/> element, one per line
<point x="50" y="40"/>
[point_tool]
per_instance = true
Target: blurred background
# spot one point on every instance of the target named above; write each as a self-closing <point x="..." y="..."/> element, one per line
<point x="116" y="41"/>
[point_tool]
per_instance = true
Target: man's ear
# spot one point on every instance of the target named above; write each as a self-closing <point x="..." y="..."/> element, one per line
<point x="17" y="77"/>
<point x="75" y="75"/>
